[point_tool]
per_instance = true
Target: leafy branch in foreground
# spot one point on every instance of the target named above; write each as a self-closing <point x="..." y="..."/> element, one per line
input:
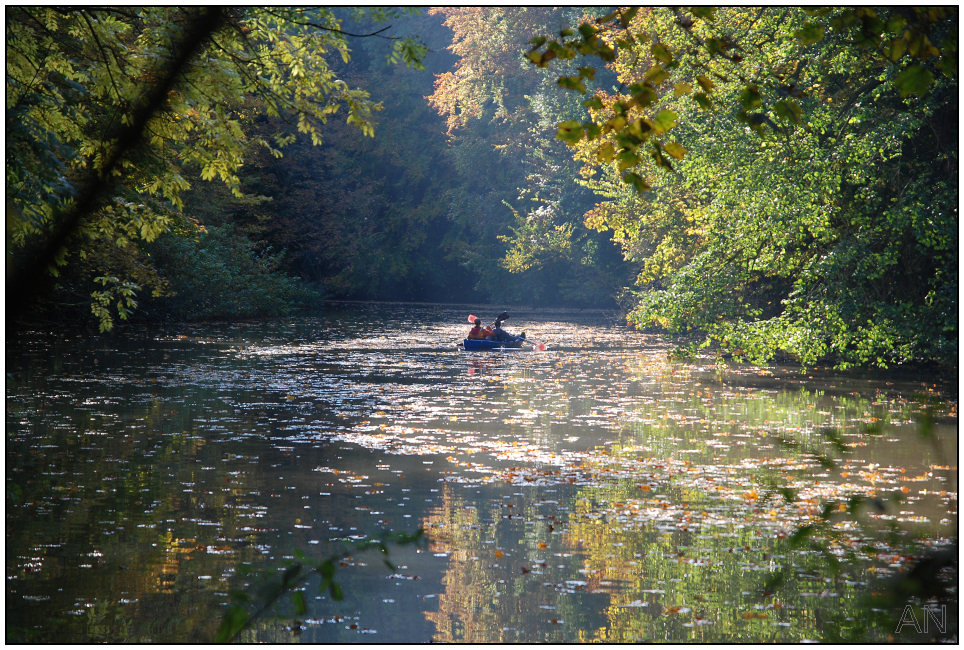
<point x="700" y="51"/>
<point x="291" y="581"/>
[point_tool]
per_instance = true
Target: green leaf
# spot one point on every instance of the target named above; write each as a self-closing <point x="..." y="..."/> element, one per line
<point x="656" y="75"/>
<point x="327" y="570"/>
<point x="705" y="13"/>
<point x="593" y="103"/>
<point x="948" y="65"/>
<point x="536" y="57"/>
<point x="789" y="494"/>
<point x="665" y="120"/>
<point x="627" y="16"/>
<point x="895" y="48"/>
<point x="606" y="53"/>
<point x="571" y="83"/>
<point x="716" y="45"/>
<point x="644" y="94"/>
<point x="570" y="131"/>
<point x="298" y="600"/>
<point x="788" y="111"/>
<point x="660" y="159"/>
<point x="661" y="52"/>
<point x="774" y="581"/>
<point x="750" y="98"/>
<point x="810" y="33"/>
<point x="636" y="181"/>
<point x="915" y="80"/>
<point x="896" y="23"/>
<point x="640" y="128"/>
<point x="290" y="574"/>
<point x="233" y="622"/>
<point x="627" y="159"/>
<point x="801" y="535"/>
<point x="617" y="123"/>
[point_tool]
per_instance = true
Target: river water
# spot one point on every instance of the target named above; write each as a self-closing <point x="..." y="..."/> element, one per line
<point x="596" y="491"/>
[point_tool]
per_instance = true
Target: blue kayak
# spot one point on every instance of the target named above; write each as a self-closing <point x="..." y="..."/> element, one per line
<point x="472" y="345"/>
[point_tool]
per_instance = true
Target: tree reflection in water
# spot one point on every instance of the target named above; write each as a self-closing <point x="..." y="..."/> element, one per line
<point x="599" y="491"/>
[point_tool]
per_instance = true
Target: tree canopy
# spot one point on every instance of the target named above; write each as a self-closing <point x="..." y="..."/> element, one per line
<point x="799" y="193"/>
<point x="778" y="182"/>
<point x="77" y="80"/>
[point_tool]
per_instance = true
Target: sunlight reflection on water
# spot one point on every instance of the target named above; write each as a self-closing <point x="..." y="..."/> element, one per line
<point x="594" y="491"/>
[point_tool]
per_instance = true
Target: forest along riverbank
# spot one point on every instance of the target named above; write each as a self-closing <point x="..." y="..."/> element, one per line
<point x="595" y="491"/>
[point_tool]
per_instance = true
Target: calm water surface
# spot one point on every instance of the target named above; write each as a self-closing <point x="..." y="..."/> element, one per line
<point x="597" y="491"/>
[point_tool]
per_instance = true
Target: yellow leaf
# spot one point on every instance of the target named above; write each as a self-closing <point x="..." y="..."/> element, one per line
<point x="675" y="149"/>
<point x="606" y="153"/>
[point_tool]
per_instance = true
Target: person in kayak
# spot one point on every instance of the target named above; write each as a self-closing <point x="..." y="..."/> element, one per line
<point x="479" y="332"/>
<point x="500" y="334"/>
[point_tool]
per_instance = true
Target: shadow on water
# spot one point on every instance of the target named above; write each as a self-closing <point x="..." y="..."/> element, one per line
<point x="598" y="491"/>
